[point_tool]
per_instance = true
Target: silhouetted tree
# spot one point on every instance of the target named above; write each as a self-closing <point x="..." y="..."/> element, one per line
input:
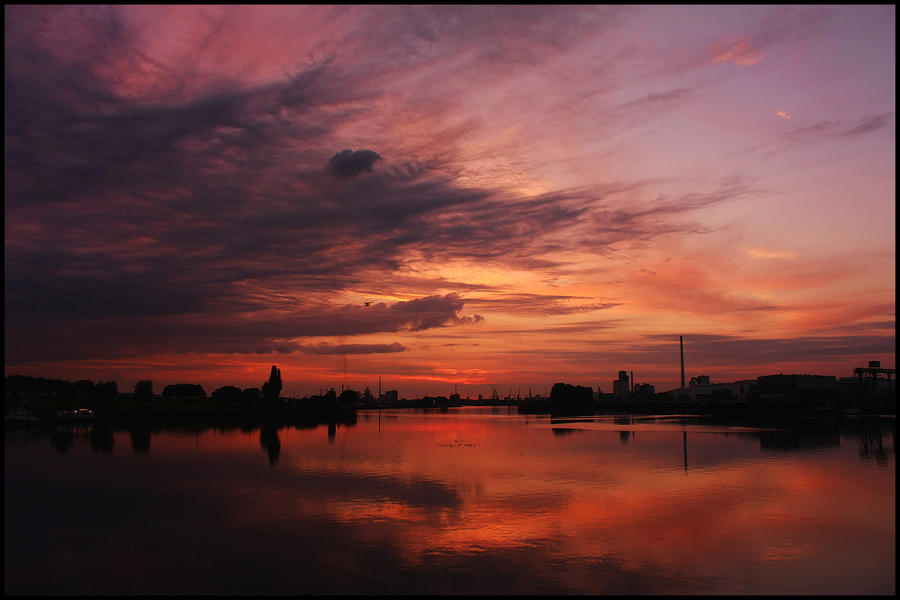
<point x="106" y="391"/>
<point x="84" y="387"/>
<point x="272" y="388"/>
<point x="143" y="391"/>
<point x="16" y="385"/>
<point x="566" y="398"/>
<point x="184" y="390"/>
<point x="226" y="394"/>
<point x="250" y="397"/>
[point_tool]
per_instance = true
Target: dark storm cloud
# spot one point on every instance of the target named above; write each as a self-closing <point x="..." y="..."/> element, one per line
<point x="184" y="221"/>
<point x="225" y="332"/>
<point x="348" y="163"/>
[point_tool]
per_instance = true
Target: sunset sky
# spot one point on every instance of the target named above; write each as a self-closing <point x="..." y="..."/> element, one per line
<point x="466" y="195"/>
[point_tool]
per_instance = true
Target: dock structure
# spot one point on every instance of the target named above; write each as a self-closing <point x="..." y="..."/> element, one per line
<point x="872" y="374"/>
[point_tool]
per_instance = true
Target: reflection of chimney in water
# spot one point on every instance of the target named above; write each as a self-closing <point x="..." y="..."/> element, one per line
<point x="681" y="343"/>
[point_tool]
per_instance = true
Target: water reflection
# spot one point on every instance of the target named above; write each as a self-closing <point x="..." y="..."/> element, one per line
<point x="869" y="433"/>
<point x="102" y="440"/>
<point x="684" y="508"/>
<point x="794" y="441"/>
<point x="140" y="439"/>
<point x="871" y="443"/>
<point x="61" y="439"/>
<point x="269" y="440"/>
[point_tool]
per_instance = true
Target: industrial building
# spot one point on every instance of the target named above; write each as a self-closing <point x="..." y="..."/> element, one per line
<point x="621" y="390"/>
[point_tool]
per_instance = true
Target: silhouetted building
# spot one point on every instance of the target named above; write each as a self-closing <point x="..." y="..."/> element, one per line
<point x="701" y="388"/>
<point x="644" y="390"/>
<point x="389" y="397"/>
<point x="738" y="389"/>
<point x="786" y="384"/>
<point x="620" y="386"/>
<point x="870" y="378"/>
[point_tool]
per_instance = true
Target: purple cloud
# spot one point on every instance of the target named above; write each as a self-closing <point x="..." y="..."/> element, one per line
<point x="348" y="163"/>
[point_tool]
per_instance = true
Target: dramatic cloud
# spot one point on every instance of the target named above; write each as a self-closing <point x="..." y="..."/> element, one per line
<point x="218" y="331"/>
<point x="173" y="185"/>
<point x="348" y="163"/>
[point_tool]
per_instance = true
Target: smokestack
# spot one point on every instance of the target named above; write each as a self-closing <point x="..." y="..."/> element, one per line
<point x="632" y="381"/>
<point x="681" y="343"/>
<point x="379" y="384"/>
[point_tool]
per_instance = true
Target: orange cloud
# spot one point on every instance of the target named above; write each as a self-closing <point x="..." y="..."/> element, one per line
<point x="737" y="50"/>
<point x="767" y="253"/>
<point x="784" y="114"/>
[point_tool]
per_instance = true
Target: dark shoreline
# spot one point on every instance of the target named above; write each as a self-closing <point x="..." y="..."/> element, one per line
<point x="194" y="420"/>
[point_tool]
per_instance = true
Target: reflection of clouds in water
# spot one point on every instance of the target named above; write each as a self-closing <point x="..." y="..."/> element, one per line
<point x="524" y="512"/>
<point x="613" y="504"/>
<point x="419" y="492"/>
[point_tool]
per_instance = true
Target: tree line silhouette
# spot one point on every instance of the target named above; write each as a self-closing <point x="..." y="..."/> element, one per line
<point x="47" y="396"/>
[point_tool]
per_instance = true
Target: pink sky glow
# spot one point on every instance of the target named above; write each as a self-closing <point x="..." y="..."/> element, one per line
<point x="532" y="194"/>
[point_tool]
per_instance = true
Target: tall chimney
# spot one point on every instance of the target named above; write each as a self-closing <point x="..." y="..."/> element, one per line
<point x="681" y="343"/>
<point x="632" y="381"/>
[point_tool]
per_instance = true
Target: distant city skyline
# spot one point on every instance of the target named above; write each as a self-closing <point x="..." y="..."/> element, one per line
<point x="448" y="196"/>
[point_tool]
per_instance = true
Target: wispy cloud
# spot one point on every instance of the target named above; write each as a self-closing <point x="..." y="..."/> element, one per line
<point x="837" y="129"/>
<point x="538" y="304"/>
<point x="324" y="348"/>
<point x="738" y="50"/>
<point x="214" y="208"/>
<point x="757" y="252"/>
<point x="215" y="190"/>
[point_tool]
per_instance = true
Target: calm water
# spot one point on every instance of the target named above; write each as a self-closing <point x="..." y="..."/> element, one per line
<point x="465" y="501"/>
